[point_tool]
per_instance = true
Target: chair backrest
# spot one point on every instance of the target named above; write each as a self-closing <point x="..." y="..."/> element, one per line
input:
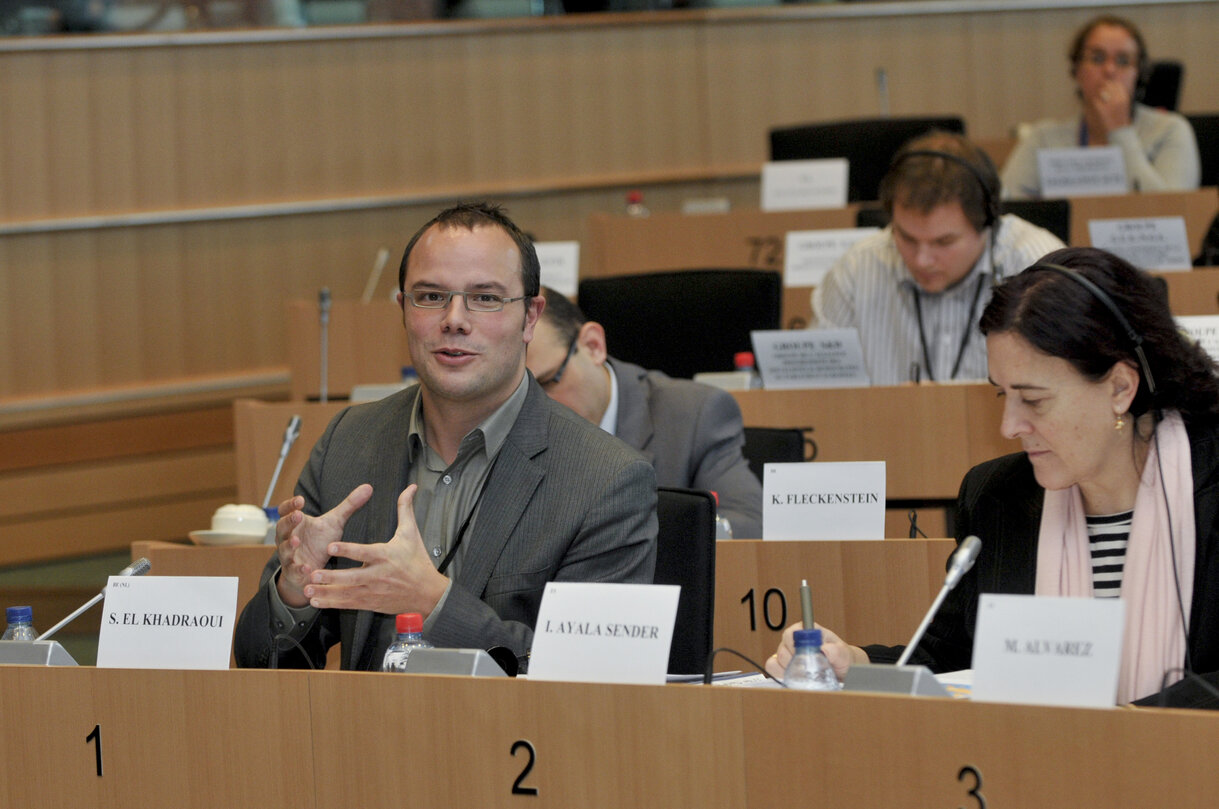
<point x="1163" y="86"/>
<point x="685" y="321"/>
<point x="765" y="445"/>
<point x="868" y="143"/>
<point x="1052" y="214"/>
<point x="685" y="555"/>
<point x="1206" y="130"/>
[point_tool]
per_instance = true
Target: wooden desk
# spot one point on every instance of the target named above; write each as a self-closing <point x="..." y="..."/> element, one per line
<point x="367" y="344"/>
<point x="298" y="738"/>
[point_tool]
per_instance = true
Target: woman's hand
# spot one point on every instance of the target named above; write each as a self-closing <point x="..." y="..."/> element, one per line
<point x="840" y="654"/>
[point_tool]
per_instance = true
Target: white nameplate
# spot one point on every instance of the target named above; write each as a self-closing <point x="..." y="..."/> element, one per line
<point x="1154" y="243"/>
<point x="1204" y="329"/>
<point x="810" y="253"/>
<point x="823" y="500"/>
<point x="604" y="633"/>
<point x="1048" y="651"/>
<point x="560" y="266"/>
<point x="1081" y="172"/>
<point x="797" y="185"/>
<point x="167" y="622"/>
<point x="809" y="358"/>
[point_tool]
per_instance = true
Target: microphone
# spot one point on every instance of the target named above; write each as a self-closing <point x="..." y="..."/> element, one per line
<point x="962" y="560"/>
<point x="137" y="568"/>
<point x="291" y="433"/>
<point x="323" y="306"/>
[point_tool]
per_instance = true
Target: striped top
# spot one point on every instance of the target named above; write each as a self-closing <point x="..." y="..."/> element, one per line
<point x="1108" y="537"/>
<point x="870" y="289"/>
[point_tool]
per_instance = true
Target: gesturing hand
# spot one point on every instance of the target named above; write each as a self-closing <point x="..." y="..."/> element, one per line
<point x="301" y="540"/>
<point x="396" y="576"/>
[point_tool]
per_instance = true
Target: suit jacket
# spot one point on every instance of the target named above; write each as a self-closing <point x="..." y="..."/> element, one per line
<point x="563" y="502"/>
<point x="693" y="435"/>
<point x="1000" y="502"/>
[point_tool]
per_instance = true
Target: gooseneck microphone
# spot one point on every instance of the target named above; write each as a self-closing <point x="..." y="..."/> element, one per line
<point x="323" y="308"/>
<point x="137" y="568"/>
<point x="291" y="433"/>
<point x="962" y="560"/>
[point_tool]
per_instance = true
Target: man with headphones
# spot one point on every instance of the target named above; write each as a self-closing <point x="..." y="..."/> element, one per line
<point x="915" y="289"/>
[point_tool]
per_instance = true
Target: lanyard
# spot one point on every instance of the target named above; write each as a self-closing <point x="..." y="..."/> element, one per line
<point x="969" y="316"/>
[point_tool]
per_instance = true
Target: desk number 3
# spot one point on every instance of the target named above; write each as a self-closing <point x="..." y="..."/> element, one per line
<point x="976" y="791"/>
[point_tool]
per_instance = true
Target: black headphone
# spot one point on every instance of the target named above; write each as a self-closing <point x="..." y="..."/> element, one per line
<point x="990" y="196"/>
<point x="1135" y="338"/>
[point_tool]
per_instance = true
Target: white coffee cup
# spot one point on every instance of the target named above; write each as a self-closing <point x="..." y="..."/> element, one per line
<point x="240" y="519"/>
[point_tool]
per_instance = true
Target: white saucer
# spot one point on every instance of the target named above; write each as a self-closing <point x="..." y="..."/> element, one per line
<point x="225" y="538"/>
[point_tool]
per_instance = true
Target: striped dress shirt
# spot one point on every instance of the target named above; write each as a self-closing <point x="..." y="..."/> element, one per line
<point x="871" y="290"/>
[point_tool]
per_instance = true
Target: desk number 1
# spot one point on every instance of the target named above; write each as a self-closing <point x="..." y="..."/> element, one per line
<point x="96" y="736"/>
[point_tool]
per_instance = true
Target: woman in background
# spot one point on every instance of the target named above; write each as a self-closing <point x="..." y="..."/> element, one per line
<point x="1109" y="65"/>
<point x="1116" y="493"/>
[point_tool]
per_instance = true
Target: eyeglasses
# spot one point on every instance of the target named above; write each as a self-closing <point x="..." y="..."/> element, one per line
<point x="1098" y="58"/>
<point x="474" y="301"/>
<point x="557" y="376"/>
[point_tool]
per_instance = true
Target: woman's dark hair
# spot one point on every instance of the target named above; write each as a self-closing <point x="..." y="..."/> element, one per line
<point x="1061" y="317"/>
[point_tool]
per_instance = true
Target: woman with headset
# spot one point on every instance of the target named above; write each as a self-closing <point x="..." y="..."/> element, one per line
<point x="1116" y="493"/>
<point x="1109" y="66"/>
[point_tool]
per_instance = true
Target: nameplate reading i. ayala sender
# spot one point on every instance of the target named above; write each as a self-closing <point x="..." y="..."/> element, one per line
<point x="604" y="633"/>
<point x="167" y="622"/>
<point x="823" y="500"/>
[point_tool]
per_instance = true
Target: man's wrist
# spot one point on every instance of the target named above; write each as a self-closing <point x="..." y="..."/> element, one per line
<point x="291" y="596"/>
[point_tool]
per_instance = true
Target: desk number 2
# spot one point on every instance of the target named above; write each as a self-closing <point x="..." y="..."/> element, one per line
<point x="95" y="736"/>
<point x="517" y="787"/>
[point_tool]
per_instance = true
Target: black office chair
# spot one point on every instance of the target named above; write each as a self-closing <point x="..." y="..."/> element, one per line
<point x="765" y="445"/>
<point x="1206" y="130"/>
<point x="685" y="555"/>
<point x="1052" y="214"/>
<point x="868" y="143"/>
<point x="685" y="321"/>
<point x="1162" y="88"/>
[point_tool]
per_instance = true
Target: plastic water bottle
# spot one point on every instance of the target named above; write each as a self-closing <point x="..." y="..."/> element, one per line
<point x="723" y="528"/>
<point x="809" y="670"/>
<point x="409" y="626"/>
<point x="743" y="361"/>
<point x="635" y="206"/>
<point x="20" y="624"/>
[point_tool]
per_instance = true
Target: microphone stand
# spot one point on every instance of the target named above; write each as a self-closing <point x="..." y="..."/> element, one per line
<point x="323" y="305"/>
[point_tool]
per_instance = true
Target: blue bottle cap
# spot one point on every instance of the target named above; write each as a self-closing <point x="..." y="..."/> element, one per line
<point x="17" y="615"/>
<point x="806" y="637"/>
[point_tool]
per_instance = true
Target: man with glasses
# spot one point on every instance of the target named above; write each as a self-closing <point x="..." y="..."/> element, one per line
<point x="691" y="433"/>
<point x="458" y="498"/>
<point x="1109" y="66"/>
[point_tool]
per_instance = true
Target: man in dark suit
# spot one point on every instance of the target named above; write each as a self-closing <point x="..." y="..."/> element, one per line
<point x="458" y="498"/>
<point x="691" y="433"/>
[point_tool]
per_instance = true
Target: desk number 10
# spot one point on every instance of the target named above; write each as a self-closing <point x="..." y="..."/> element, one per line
<point x="768" y="600"/>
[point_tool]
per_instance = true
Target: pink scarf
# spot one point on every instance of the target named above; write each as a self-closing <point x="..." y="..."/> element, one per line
<point x="1153" y="641"/>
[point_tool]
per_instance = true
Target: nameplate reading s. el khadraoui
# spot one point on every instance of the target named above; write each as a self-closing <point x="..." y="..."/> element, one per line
<point x="1204" y="329"/>
<point x="1085" y="171"/>
<point x="823" y="500"/>
<point x="1043" y="650"/>
<point x="1152" y="243"/>
<point x="798" y="185"/>
<point x="167" y="622"/>
<point x="560" y="263"/>
<point x="809" y="254"/>
<point x="604" y="633"/>
<point x="809" y="358"/>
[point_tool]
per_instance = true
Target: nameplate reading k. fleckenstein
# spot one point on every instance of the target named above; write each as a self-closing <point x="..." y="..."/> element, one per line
<point x="823" y="500"/>
<point x="1151" y="243"/>
<point x="1081" y="172"/>
<point x="1044" y="650"/>
<point x="797" y="185"/>
<point x="604" y="633"/>
<point x="167" y="622"/>
<point x="809" y="358"/>
<point x="560" y="265"/>
<point x="809" y="254"/>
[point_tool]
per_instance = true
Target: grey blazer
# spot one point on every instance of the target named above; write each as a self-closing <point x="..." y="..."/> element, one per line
<point x="564" y="502"/>
<point x="693" y="436"/>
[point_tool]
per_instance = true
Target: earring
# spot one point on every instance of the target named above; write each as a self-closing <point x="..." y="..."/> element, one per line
<point x="1120" y="423"/>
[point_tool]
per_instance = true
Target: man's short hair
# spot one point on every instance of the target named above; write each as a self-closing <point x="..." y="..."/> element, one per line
<point x="471" y="215"/>
<point x="924" y="182"/>
<point x="562" y="314"/>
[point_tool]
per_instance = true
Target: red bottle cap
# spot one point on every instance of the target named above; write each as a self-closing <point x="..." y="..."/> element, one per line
<point x="408" y="623"/>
